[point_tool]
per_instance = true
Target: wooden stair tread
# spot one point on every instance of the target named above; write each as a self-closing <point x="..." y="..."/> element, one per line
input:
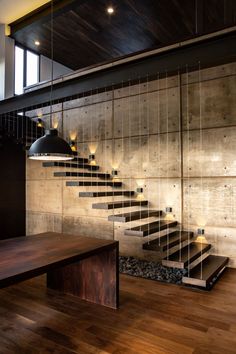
<point x="168" y="240"/>
<point x="92" y="183"/>
<point x="82" y="174"/>
<point x="119" y="204"/>
<point x="186" y="255"/>
<point x="80" y="160"/>
<point x="150" y="228"/>
<point x="203" y="273"/>
<point x="70" y="165"/>
<point x="106" y="194"/>
<point x="135" y="215"/>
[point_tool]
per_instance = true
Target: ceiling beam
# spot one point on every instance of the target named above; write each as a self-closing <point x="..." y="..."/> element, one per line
<point x="42" y="14"/>
<point x="209" y="53"/>
<point x="199" y="20"/>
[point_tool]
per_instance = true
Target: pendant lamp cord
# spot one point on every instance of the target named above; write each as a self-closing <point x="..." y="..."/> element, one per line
<point x="50" y="122"/>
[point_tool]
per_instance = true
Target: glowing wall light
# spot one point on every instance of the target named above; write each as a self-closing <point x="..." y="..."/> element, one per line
<point x="201" y="235"/>
<point x="39" y="123"/>
<point x="93" y="147"/>
<point x="73" y="145"/>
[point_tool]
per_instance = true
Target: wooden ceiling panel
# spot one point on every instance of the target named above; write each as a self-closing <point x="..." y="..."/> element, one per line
<point x="84" y="34"/>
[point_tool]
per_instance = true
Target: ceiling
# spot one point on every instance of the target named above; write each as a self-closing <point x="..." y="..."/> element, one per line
<point x="84" y="33"/>
<point x="11" y="10"/>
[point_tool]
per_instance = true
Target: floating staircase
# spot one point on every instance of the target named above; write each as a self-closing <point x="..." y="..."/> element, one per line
<point x="93" y="183"/>
<point x="150" y="228"/>
<point x="80" y="160"/>
<point x="204" y="274"/>
<point x="167" y="241"/>
<point x="178" y="247"/>
<point x="71" y="165"/>
<point x="120" y="204"/>
<point x="82" y="174"/>
<point x="186" y="255"/>
<point x="135" y="215"/>
<point x="106" y="194"/>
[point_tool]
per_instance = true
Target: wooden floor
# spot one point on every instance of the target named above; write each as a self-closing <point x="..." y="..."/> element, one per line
<point x="153" y="318"/>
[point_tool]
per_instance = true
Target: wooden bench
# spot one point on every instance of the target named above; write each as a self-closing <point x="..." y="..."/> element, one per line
<point x="81" y="266"/>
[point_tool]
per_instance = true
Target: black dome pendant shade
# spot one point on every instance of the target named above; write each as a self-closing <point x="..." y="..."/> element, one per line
<point x="50" y="147"/>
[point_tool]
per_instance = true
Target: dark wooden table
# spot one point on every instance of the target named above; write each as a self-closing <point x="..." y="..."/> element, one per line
<point x="82" y="266"/>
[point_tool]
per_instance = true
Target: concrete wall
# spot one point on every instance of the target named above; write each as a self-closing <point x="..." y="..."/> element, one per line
<point x="7" y="46"/>
<point x="140" y="130"/>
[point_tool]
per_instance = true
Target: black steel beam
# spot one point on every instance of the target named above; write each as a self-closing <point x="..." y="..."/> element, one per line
<point x="208" y="53"/>
<point x="42" y="14"/>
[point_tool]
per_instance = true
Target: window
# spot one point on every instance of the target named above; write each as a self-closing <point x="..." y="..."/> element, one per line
<point x="26" y="69"/>
<point x="32" y="68"/>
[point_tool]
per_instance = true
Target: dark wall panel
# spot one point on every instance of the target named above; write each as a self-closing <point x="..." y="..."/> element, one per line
<point x="12" y="190"/>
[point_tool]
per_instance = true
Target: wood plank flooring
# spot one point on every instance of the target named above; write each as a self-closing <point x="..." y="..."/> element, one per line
<point x="154" y="318"/>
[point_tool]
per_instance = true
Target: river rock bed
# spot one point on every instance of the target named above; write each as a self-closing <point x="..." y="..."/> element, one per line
<point x="150" y="270"/>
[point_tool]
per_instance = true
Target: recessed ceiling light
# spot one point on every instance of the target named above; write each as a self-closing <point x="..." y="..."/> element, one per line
<point x="37" y="43"/>
<point x="110" y="10"/>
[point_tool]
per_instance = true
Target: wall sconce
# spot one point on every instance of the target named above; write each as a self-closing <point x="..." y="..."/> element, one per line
<point x="200" y="236"/>
<point x="139" y="190"/>
<point x="39" y="123"/>
<point x="73" y="145"/>
<point x="55" y="121"/>
<point x="114" y="172"/>
<point x="91" y="157"/>
<point x="168" y="209"/>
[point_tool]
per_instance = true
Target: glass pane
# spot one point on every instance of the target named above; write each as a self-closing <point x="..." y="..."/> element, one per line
<point x="32" y="70"/>
<point x="19" y="70"/>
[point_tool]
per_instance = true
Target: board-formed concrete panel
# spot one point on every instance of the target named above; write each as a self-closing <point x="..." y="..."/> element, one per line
<point x="210" y="202"/>
<point x="38" y="222"/>
<point x="44" y="196"/>
<point x="88" y="226"/>
<point x="210" y="152"/>
<point x="209" y="104"/>
<point x="155" y="156"/>
<point x="44" y="111"/>
<point x="88" y="100"/>
<point x="147" y="113"/>
<point x="103" y="152"/>
<point x="89" y="123"/>
<point x="147" y="86"/>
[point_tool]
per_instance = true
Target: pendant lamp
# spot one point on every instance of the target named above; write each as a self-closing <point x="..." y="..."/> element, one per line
<point x="51" y="147"/>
